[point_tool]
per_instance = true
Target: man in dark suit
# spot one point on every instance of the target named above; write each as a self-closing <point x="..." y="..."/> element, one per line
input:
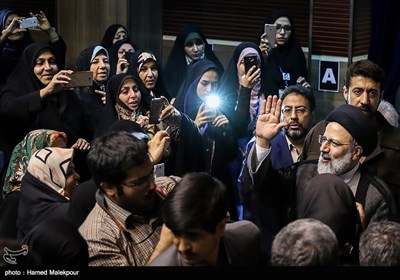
<point x="298" y="110"/>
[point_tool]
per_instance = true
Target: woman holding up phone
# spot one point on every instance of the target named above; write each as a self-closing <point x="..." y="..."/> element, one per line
<point x="242" y="88"/>
<point x="284" y="61"/>
<point x="35" y="97"/>
<point x="93" y="98"/>
<point x="13" y="40"/>
<point x="120" y="55"/>
<point x="218" y="145"/>
<point x="241" y="83"/>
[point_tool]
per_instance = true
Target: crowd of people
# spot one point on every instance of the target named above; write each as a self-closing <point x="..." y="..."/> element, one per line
<point x="232" y="171"/>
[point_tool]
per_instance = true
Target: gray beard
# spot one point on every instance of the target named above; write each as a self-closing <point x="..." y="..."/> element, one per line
<point x="335" y="166"/>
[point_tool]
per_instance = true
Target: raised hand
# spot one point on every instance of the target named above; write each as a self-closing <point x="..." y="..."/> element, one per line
<point x="44" y="23"/>
<point x="268" y="123"/>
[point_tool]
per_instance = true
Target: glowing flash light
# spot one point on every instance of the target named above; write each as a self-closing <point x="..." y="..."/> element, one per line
<point x="212" y="101"/>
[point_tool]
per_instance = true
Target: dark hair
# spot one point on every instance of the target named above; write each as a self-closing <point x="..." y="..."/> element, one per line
<point x="365" y="68"/>
<point x="302" y="90"/>
<point x="198" y="201"/>
<point x="380" y="244"/>
<point x="111" y="156"/>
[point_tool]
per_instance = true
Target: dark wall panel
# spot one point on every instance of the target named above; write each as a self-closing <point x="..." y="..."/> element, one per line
<point x="239" y="20"/>
<point x="24" y="7"/>
<point x="235" y="20"/>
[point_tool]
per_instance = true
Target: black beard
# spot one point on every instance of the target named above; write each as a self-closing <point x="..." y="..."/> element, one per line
<point x="295" y="134"/>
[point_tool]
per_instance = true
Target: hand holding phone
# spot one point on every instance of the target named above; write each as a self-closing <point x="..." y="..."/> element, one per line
<point x="249" y="61"/>
<point x="128" y="55"/>
<point x="28" y="22"/>
<point x="80" y="79"/>
<point x="156" y="106"/>
<point x="270" y="33"/>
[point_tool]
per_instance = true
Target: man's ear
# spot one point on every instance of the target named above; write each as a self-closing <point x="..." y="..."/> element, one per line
<point x="345" y="92"/>
<point x="108" y="189"/>
<point x="357" y="154"/>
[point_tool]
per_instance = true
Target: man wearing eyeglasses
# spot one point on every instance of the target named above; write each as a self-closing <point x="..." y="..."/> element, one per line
<point x="364" y="90"/>
<point x="124" y="227"/>
<point x="349" y="135"/>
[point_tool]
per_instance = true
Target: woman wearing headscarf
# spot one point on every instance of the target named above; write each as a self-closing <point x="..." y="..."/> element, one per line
<point x="218" y="146"/>
<point x="330" y="200"/>
<point x="119" y="60"/>
<point x="285" y="64"/>
<point x="124" y="102"/>
<point x="145" y="67"/>
<point x="114" y="33"/>
<point x="46" y="188"/>
<point x="35" y="97"/>
<point x="13" y="40"/>
<point x="241" y="87"/>
<point x="190" y="44"/>
<point x="32" y="142"/>
<point x="92" y="99"/>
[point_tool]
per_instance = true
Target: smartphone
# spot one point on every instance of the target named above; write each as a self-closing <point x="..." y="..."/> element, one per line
<point x="159" y="170"/>
<point x="249" y="61"/>
<point x="80" y="79"/>
<point x="156" y="106"/>
<point x="270" y="31"/>
<point x="128" y="55"/>
<point x="28" y="22"/>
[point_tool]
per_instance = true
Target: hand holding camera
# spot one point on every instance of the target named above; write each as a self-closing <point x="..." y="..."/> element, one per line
<point x="28" y="22"/>
<point x="42" y="21"/>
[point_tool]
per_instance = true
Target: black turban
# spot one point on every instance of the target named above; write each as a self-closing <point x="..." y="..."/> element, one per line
<point x="357" y="124"/>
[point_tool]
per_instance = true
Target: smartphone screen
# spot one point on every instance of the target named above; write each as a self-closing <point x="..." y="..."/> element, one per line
<point x="128" y="55"/>
<point x="155" y="110"/>
<point x="270" y="31"/>
<point x="249" y="61"/>
<point x="80" y="79"/>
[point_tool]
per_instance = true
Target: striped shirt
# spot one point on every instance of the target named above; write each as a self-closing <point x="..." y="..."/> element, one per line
<point x="117" y="237"/>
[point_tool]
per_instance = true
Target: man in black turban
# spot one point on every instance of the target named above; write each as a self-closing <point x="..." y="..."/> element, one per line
<point x="348" y="137"/>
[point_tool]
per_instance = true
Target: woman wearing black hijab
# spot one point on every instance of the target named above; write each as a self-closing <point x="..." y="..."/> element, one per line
<point x="145" y="67"/>
<point x="285" y="64"/>
<point x="189" y="37"/>
<point x="218" y="146"/>
<point x="13" y="40"/>
<point x="114" y="33"/>
<point x="330" y="200"/>
<point x="115" y="109"/>
<point x="92" y="98"/>
<point x="35" y="97"/>
<point x="118" y="56"/>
